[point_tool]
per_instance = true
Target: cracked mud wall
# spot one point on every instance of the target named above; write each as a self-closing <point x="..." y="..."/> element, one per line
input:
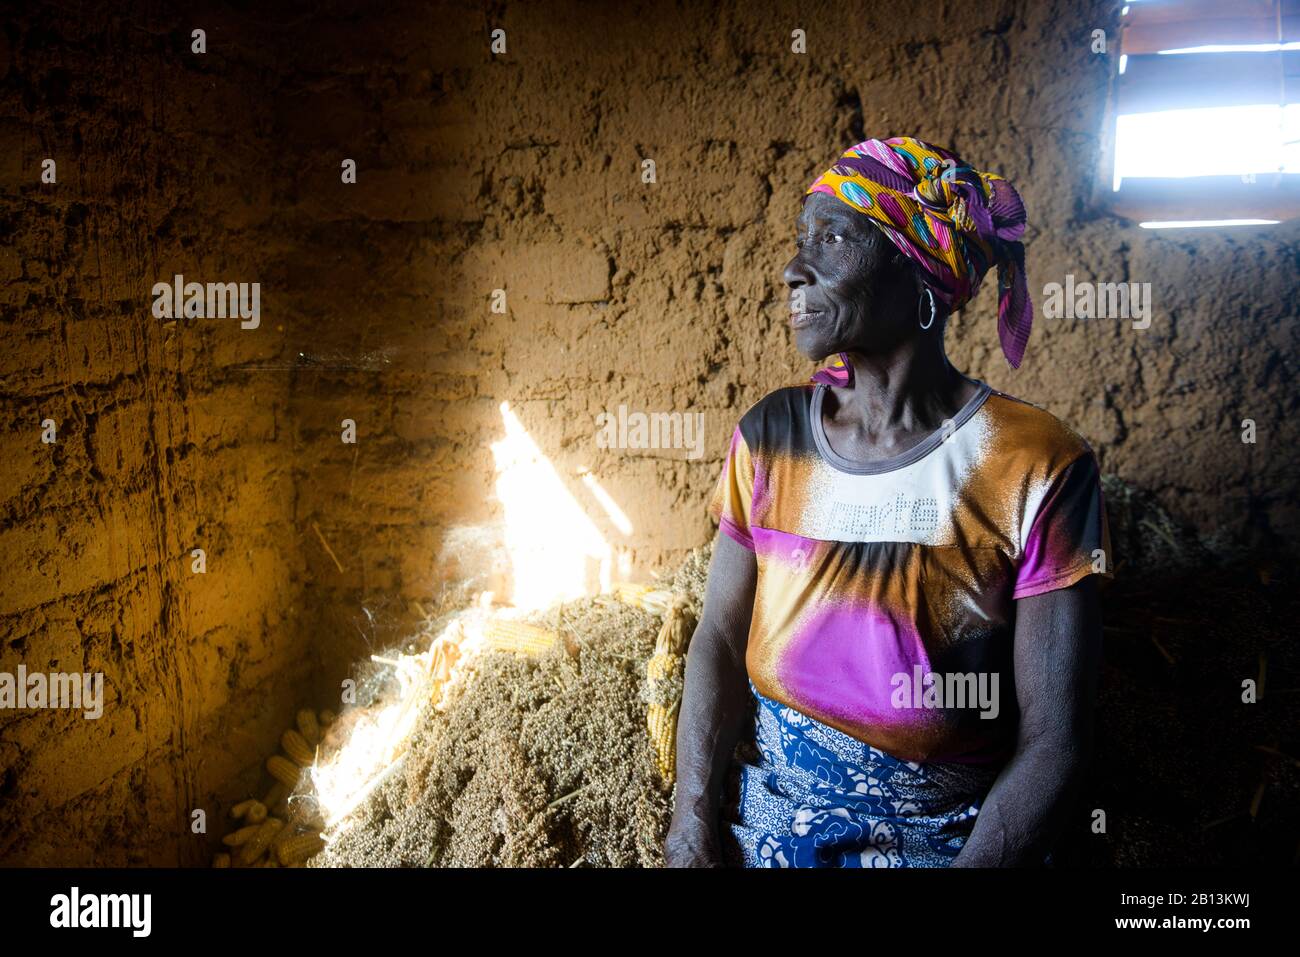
<point x="521" y="172"/>
<point x="170" y="437"/>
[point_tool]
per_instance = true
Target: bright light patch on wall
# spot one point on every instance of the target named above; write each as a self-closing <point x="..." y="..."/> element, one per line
<point x="556" y="552"/>
<point x="1123" y="63"/>
<point x="1192" y="223"/>
<point x="615" y="514"/>
<point x="1210" y="141"/>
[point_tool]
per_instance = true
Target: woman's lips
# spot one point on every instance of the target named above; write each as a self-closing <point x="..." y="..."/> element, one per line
<point x="800" y="319"/>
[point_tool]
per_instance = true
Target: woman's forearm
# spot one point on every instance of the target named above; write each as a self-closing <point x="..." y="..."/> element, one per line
<point x="1057" y="651"/>
<point x="715" y="703"/>
<point x="1021" y="815"/>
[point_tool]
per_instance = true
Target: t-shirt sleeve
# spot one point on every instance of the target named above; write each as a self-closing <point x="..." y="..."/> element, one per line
<point x="1069" y="538"/>
<point x="733" y="494"/>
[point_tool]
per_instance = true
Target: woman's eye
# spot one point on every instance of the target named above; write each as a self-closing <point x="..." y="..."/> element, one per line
<point x="825" y="237"/>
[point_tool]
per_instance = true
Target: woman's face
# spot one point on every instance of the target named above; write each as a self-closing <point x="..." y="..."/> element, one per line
<point x="847" y="293"/>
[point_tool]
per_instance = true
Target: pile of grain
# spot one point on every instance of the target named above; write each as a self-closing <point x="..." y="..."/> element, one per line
<point x="535" y="762"/>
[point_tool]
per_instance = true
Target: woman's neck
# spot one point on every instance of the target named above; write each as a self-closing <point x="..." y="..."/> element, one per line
<point x="912" y="389"/>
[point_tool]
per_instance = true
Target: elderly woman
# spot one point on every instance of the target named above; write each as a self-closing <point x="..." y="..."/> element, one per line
<point x="901" y="608"/>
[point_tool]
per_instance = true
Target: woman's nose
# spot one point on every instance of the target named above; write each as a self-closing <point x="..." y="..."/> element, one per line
<point x="796" y="272"/>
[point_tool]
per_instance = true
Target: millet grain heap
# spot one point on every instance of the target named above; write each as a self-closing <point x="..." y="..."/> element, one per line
<point x="535" y="762"/>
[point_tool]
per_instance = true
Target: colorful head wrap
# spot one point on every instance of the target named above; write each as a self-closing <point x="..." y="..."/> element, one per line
<point x="952" y="219"/>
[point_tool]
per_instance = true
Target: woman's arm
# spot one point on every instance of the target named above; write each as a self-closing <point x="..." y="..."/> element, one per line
<point x="1057" y="652"/>
<point x="715" y="701"/>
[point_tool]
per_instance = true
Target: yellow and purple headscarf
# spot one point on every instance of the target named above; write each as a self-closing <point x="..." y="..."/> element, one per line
<point x="955" y="221"/>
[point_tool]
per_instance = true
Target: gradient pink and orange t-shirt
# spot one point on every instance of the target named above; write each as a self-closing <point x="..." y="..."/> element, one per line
<point x="908" y="566"/>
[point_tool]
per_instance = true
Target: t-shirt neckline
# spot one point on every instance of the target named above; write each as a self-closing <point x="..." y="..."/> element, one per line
<point x="903" y="459"/>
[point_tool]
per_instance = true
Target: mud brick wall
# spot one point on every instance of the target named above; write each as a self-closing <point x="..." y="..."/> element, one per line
<point x="170" y="436"/>
<point x="520" y="171"/>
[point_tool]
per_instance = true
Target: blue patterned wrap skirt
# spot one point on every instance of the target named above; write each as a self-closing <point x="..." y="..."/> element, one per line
<point x="816" y="797"/>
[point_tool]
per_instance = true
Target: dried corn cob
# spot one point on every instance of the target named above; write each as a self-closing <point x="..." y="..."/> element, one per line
<point x="678" y="626"/>
<point x="299" y="848"/>
<point x="662" y="725"/>
<point x="661" y="716"/>
<point x="505" y="634"/>
<point x="660" y="667"/>
<point x="275" y="797"/>
<point x="283" y="770"/>
<point x="241" y="836"/>
<point x="308" y="726"/>
<point x="252" y="849"/>
<point x="642" y="596"/>
<point x="296" y="746"/>
<point x="286" y="833"/>
<point x="262" y="830"/>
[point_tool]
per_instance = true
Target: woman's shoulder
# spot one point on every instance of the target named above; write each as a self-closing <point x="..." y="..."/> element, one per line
<point x="777" y="417"/>
<point x="1022" y="430"/>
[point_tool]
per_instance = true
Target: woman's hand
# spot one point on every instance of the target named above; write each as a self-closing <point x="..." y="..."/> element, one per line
<point x="692" y="843"/>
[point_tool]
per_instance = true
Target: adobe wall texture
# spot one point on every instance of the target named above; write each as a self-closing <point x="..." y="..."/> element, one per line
<point x="477" y="172"/>
<point x="170" y="436"/>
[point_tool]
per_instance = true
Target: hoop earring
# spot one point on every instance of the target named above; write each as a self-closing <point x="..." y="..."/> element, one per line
<point x="927" y="325"/>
